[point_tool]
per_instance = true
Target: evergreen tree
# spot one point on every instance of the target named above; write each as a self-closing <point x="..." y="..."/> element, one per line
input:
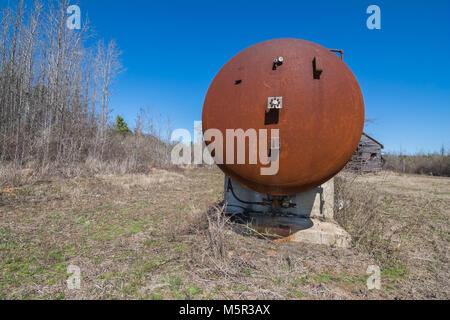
<point x="121" y="125"/>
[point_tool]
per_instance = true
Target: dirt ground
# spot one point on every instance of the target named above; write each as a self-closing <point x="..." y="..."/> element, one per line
<point x="148" y="237"/>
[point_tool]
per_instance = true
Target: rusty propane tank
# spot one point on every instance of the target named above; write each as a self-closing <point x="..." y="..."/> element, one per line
<point x="304" y="90"/>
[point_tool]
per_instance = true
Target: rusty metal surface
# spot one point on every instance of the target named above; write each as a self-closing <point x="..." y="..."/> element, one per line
<point x="320" y="123"/>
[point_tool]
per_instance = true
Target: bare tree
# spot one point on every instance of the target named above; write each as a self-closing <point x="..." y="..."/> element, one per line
<point x="55" y="95"/>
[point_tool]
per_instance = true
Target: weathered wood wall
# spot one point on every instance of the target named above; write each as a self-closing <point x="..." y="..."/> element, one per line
<point x="367" y="157"/>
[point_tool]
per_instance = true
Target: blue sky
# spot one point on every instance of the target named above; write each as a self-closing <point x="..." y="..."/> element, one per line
<point x="173" y="49"/>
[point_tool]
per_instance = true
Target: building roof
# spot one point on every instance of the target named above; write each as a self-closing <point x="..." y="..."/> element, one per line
<point x="365" y="134"/>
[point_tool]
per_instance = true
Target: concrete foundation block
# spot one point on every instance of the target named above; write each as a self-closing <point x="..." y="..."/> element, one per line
<point x="315" y="203"/>
<point x="308" y="220"/>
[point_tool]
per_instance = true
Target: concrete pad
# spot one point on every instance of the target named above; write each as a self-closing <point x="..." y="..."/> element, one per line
<point x="326" y="233"/>
<point x="300" y="230"/>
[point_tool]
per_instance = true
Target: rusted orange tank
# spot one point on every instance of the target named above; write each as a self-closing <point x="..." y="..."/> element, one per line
<point x="320" y="115"/>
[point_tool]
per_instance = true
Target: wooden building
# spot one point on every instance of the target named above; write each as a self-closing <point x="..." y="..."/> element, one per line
<point x="367" y="157"/>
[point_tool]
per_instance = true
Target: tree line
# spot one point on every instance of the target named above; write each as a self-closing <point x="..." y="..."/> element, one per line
<point x="55" y="89"/>
<point x="434" y="164"/>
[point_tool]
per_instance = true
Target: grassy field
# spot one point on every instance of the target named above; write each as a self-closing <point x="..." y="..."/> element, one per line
<point x="158" y="236"/>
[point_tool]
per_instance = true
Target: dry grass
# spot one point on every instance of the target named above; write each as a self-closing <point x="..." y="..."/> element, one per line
<point x="402" y="222"/>
<point x="146" y="182"/>
<point x="361" y="216"/>
<point x="162" y="236"/>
